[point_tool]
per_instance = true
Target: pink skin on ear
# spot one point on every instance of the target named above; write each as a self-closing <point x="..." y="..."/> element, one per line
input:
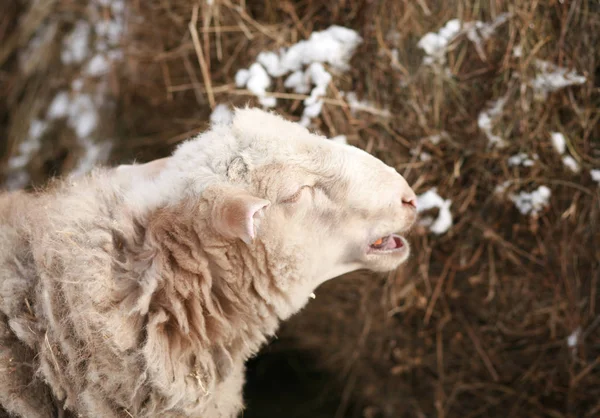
<point x="234" y="215"/>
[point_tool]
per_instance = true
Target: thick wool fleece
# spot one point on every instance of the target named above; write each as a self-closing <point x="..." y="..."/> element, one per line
<point x="109" y="315"/>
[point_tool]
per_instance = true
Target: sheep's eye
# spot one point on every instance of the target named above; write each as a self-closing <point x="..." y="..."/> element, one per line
<point x="295" y="197"/>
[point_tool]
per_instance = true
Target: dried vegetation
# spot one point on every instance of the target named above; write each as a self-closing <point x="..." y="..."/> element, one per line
<point x="499" y="316"/>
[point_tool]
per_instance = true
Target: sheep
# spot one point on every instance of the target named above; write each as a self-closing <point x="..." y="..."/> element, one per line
<point x="141" y="290"/>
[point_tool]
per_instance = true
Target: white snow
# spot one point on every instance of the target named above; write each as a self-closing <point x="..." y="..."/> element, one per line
<point x="560" y="145"/>
<point x="83" y="117"/>
<point x="357" y="105"/>
<point x="532" y="202"/>
<point x="571" y="163"/>
<point x="430" y="200"/>
<point x="486" y="120"/>
<point x="522" y="159"/>
<point x="423" y="156"/>
<point x="573" y="338"/>
<point x="59" y="107"/>
<point x="436" y="45"/>
<point x="29" y="146"/>
<point x="97" y="66"/>
<point x="551" y="78"/>
<point x="595" y="176"/>
<point x="221" y="115"/>
<point x="501" y="188"/>
<point x="76" y="44"/>
<point x="94" y="153"/>
<point x="299" y="81"/>
<point x="517" y="51"/>
<point x="478" y="31"/>
<point x="558" y="141"/>
<point x="258" y="82"/>
<point x="305" y="61"/>
<point x="313" y="104"/>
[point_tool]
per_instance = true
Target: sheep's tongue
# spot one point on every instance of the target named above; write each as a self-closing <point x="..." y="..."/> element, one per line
<point x="393" y="242"/>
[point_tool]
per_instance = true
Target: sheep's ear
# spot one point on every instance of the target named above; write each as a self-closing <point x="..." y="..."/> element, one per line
<point x="236" y="214"/>
<point x="148" y="170"/>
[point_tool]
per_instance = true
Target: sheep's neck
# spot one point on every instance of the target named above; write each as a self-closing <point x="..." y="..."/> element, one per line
<point x="215" y="293"/>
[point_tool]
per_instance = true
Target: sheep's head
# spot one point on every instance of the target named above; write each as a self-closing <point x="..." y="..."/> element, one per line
<point x="324" y="207"/>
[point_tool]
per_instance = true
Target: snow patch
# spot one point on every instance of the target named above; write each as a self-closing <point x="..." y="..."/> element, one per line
<point x="551" y="78"/>
<point x="97" y="66"/>
<point x="558" y="142"/>
<point x="486" y="120"/>
<point x="573" y="338"/>
<point x="522" y="159"/>
<point x="221" y="115"/>
<point x="430" y="200"/>
<point x="357" y="105"/>
<point x="76" y="44"/>
<point x="436" y="45"/>
<point x="595" y="176"/>
<point x="304" y="61"/>
<point x="571" y="163"/>
<point x="532" y="202"/>
<point x="560" y="145"/>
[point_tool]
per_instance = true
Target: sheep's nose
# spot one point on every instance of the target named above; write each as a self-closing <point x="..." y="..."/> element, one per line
<point x="409" y="199"/>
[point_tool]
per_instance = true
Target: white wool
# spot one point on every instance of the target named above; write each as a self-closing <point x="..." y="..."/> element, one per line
<point x="571" y="163"/>
<point x="551" y="78"/>
<point x="595" y="176"/>
<point x="221" y="115"/>
<point x="83" y="117"/>
<point x="59" y="107"/>
<point x="522" y="159"/>
<point x="340" y="139"/>
<point x="558" y="141"/>
<point x="532" y="202"/>
<point x="75" y="45"/>
<point x="97" y="66"/>
<point x="486" y="120"/>
<point x="430" y="200"/>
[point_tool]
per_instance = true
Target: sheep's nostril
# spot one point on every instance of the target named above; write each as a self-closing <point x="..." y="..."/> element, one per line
<point x="410" y="201"/>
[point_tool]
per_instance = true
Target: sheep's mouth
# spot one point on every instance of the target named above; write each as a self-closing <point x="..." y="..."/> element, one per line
<point x="388" y="243"/>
